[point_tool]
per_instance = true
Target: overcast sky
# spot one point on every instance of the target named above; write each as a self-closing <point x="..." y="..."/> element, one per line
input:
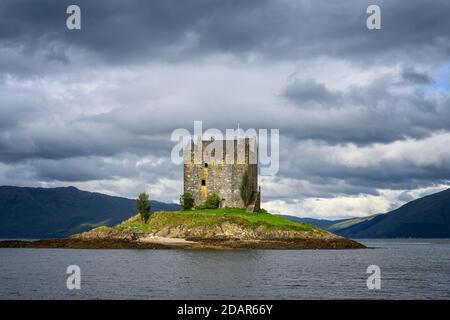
<point x="364" y="116"/>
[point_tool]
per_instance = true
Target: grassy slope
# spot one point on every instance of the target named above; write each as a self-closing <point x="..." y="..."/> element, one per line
<point x="195" y="218"/>
<point x="350" y="222"/>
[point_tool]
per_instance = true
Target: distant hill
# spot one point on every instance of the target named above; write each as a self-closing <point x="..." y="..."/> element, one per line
<point x="427" y="217"/>
<point x="345" y="224"/>
<point x="59" y="212"/>
<point x="320" y="223"/>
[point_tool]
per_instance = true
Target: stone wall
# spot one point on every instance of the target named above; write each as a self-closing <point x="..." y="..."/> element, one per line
<point x="219" y="176"/>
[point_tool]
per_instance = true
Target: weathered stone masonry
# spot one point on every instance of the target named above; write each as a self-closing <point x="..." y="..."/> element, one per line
<point x="222" y="173"/>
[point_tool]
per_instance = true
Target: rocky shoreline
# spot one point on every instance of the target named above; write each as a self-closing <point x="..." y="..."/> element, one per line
<point x="198" y="230"/>
<point x="190" y="243"/>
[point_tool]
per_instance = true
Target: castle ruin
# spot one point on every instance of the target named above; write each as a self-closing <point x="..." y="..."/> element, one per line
<point x="217" y="167"/>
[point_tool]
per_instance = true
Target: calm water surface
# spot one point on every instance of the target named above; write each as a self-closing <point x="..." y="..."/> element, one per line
<point x="410" y="269"/>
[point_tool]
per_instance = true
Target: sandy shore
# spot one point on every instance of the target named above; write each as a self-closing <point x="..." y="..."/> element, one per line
<point x="166" y="241"/>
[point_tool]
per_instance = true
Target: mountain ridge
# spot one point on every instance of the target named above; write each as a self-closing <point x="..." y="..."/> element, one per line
<point x="426" y="217"/>
<point x="27" y="212"/>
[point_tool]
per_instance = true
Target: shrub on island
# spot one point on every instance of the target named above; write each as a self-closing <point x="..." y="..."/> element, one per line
<point x="211" y="202"/>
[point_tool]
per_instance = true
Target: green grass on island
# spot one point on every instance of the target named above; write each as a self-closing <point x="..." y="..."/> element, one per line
<point x="212" y="217"/>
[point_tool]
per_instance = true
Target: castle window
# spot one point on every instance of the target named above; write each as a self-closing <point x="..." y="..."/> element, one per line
<point x="203" y="182"/>
<point x="206" y="165"/>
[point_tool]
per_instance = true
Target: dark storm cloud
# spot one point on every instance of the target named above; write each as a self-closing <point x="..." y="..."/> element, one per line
<point x="310" y="93"/>
<point x="383" y="111"/>
<point x="124" y="31"/>
<point x="96" y="168"/>
<point x="416" y="77"/>
<point x="56" y="142"/>
<point x="408" y="166"/>
<point x="131" y="31"/>
<point x="74" y="106"/>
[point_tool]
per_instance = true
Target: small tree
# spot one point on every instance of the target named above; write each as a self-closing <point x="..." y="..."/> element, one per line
<point x="245" y="190"/>
<point x="187" y="201"/>
<point x="143" y="207"/>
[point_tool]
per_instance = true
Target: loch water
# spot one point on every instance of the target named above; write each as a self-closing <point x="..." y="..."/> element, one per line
<point x="410" y="269"/>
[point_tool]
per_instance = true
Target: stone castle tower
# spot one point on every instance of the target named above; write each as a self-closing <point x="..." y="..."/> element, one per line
<point x="218" y="166"/>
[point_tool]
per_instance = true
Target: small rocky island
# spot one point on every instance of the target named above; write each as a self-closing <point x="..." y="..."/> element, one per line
<point x="221" y="228"/>
<point x="221" y="210"/>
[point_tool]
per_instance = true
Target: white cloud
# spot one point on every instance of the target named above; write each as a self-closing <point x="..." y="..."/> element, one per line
<point x="430" y="151"/>
<point x="341" y="207"/>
